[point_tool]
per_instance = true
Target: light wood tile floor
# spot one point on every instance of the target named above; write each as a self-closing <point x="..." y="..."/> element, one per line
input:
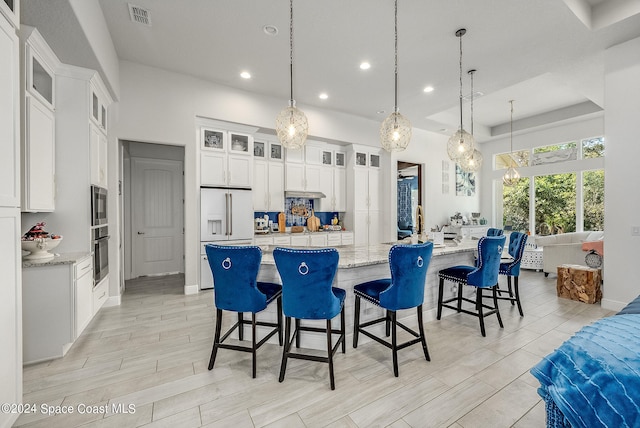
<point x="150" y="355"/>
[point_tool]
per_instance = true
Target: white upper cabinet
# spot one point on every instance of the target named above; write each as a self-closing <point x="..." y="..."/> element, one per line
<point x="40" y="63"/>
<point x="38" y="158"/>
<point x="296" y="156"/>
<point x="311" y="169"/>
<point x="226" y="158"/>
<point x="268" y="175"/>
<point x="81" y="140"/>
<point x="367" y="190"/>
<point x="98" y="153"/>
<point x="99" y="104"/>
<point x="9" y="115"/>
<point x="333" y="181"/>
<point x="38" y="121"/>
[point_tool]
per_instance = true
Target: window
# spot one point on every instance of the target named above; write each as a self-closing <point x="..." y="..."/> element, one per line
<point x="555" y="203"/>
<point x="516" y="206"/>
<point x="570" y="198"/>
<point x="593" y="199"/>
<point x="554" y="153"/>
<point x="593" y="148"/>
<point x="516" y="159"/>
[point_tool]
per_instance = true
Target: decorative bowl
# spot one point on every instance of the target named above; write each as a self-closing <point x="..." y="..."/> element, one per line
<point x="39" y="248"/>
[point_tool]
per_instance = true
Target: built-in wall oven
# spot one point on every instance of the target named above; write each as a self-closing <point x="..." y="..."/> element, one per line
<point x="99" y="233"/>
<point x="98" y="206"/>
<point x="100" y="237"/>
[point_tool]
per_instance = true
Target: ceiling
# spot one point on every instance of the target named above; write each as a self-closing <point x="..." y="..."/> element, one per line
<point x="547" y="55"/>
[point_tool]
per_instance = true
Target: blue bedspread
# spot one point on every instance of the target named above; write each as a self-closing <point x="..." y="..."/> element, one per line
<point x="594" y="377"/>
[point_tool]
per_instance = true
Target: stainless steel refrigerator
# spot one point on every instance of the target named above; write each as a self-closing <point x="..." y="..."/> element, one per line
<point x="226" y="216"/>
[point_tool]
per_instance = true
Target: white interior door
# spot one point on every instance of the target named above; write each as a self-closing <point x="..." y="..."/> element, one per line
<point x="157" y="216"/>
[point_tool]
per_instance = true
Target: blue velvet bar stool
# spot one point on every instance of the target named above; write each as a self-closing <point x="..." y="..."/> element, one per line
<point x="492" y="231"/>
<point x="236" y="289"/>
<point x="483" y="276"/>
<point x="404" y="290"/>
<point x="517" y="243"/>
<point x="307" y="294"/>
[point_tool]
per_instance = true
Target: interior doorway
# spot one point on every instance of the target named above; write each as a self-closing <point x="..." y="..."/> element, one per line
<point x="409" y="200"/>
<point x="153" y="209"/>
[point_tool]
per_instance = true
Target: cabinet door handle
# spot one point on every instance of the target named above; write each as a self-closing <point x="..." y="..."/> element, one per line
<point x="140" y="233"/>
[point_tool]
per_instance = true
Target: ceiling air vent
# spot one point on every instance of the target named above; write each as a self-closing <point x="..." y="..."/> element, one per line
<point x="140" y="15"/>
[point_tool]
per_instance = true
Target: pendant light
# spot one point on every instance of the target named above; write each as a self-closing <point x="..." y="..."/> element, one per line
<point x="292" y="127"/>
<point x="473" y="162"/>
<point x="511" y="176"/>
<point x="460" y="144"/>
<point x="395" y="131"/>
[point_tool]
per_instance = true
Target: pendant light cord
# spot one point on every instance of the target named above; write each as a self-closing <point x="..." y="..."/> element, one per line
<point x="471" y="73"/>
<point x="511" y="127"/>
<point x="291" y="48"/>
<point x="461" y="32"/>
<point x="396" y="57"/>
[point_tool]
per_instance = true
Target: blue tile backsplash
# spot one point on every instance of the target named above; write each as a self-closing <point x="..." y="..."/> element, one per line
<point x="302" y="206"/>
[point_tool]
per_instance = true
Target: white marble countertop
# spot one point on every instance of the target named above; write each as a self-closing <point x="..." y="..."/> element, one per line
<point x="352" y="256"/>
<point x="58" y="259"/>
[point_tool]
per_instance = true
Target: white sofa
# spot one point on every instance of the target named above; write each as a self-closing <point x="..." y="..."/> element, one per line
<point x="565" y="248"/>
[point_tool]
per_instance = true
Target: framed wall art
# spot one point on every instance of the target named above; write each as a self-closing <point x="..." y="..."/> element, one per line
<point x="465" y="182"/>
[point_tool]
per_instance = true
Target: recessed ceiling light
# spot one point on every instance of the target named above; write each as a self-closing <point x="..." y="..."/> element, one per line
<point x="270" y="30"/>
<point x="365" y="66"/>
<point x="381" y="111"/>
<point x="323" y="96"/>
<point x="245" y="75"/>
<point x="428" y="89"/>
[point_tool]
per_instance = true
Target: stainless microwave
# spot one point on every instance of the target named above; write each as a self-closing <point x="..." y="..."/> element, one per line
<point x="98" y="206"/>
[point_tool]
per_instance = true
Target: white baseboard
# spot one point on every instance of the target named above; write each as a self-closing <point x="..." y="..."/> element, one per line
<point x="112" y="301"/>
<point x="612" y="305"/>
<point x="191" y="289"/>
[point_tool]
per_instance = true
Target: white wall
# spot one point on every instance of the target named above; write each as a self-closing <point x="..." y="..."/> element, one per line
<point x="430" y="149"/>
<point x="622" y="203"/>
<point x="158" y="106"/>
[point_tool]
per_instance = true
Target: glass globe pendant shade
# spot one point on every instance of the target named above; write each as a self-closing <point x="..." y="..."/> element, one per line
<point x="460" y="145"/>
<point x="292" y="127"/>
<point x="472" y="163"/>
<point x="395" y="132"/>
<point x="511" y="177"/>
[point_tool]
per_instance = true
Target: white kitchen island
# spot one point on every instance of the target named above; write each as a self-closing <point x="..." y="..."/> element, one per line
<point x="359" y="264"/>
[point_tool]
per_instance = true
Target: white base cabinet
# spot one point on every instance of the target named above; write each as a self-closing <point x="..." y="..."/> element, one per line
<point x="57" y="305"/>
<point x="83" y="272"/>
<point x="100" y="295"/>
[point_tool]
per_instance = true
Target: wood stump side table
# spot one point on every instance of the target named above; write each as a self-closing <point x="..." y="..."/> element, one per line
<point x="579" y="283"/>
